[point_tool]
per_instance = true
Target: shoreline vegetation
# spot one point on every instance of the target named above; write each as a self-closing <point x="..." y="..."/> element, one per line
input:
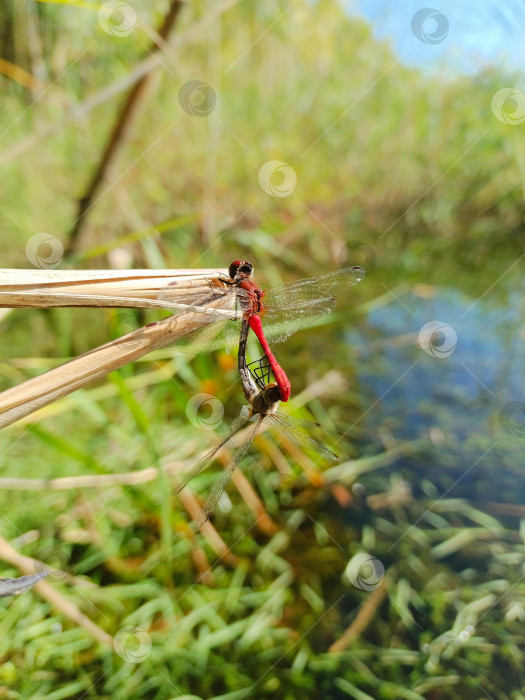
<point x="409" y="174"/>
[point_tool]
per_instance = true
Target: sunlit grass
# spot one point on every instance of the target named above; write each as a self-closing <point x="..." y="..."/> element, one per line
<point x="251" y="606"/>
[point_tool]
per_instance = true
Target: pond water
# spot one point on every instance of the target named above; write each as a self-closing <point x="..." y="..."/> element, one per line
<point x="462" y="384"/>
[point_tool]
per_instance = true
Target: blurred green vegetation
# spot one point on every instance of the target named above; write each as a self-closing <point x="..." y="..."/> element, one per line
<point x="412" y="166"/>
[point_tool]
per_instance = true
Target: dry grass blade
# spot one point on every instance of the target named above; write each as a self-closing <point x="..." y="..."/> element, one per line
<point x="40" y="391"/>
<point x="60" y="602"/>
<point x="97" y="288"/>
<point x="363" y="618"/>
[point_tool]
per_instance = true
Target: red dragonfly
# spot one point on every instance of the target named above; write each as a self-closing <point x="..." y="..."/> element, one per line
<point x="241" y="272"/>
<point x="264" y="401"/>
<point x="283" y="309"/>
<point x="207" y="309"/>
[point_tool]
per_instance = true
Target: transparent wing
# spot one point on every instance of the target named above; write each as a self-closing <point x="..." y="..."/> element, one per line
<point x="303" y="292"/>
<point x="214" y="302"/>
<point x="212" y="297"/>
<point x="241" y="419"/>
<point x="280" y="324"/>
<point x="289" y="426"/>
<point x="222" y="334"/>
<point x="222" y="481"/>
<point x="208" y="456"/>
<point x="293" y="306"/>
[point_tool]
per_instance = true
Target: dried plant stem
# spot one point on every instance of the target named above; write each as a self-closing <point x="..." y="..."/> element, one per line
<point x="40" y="391"/>
<point x="93" y="288"/>
<point x="363" y="618"/>
<point x="27" y="566"/>
<point x="122" y="126"/>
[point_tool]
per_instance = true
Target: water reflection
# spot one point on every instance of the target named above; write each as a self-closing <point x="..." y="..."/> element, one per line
<point x="467" y="393"/>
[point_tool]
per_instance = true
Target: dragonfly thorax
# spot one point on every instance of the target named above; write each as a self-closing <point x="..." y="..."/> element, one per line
<point x="266" y="401"/>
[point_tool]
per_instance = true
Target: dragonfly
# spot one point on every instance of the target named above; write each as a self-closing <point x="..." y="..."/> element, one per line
<point x="264" y="399"/>
<point x="207" y="308"/>
<point x="273" y="315"/>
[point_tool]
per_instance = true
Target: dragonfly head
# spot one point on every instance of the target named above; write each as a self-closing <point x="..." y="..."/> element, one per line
<point x="240" y="269"/>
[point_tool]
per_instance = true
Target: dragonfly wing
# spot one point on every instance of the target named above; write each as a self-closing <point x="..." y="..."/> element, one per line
<point x="208" y="456"/>
<point x="217" y="304"/>
<point x="221" y="334"/>
<point x="293" y="306"/>
<point x="312" y="288"/>
<point x="212" y="298"/>
<point x="282" y="322"/>
<point x="222" y="481"/>
<point x="289" y="426"/>
<point x="241" y="419"/>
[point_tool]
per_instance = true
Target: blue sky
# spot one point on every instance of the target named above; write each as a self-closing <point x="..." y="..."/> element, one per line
<point x="472" y="34"/>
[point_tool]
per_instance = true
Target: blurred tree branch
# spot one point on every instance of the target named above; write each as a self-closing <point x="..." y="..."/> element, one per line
<point x="122" y="126"/>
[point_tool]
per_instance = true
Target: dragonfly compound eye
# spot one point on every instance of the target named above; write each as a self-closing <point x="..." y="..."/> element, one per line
<point x="239" y="267"/>
<point x="234" y="268"/>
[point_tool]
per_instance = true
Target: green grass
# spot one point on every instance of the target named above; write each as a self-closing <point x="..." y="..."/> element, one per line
<point x="253" y="614"/>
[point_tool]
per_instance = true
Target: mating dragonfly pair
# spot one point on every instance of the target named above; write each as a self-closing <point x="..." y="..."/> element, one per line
<point x="207" y="308"/>
<point x="285" y="309"/>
